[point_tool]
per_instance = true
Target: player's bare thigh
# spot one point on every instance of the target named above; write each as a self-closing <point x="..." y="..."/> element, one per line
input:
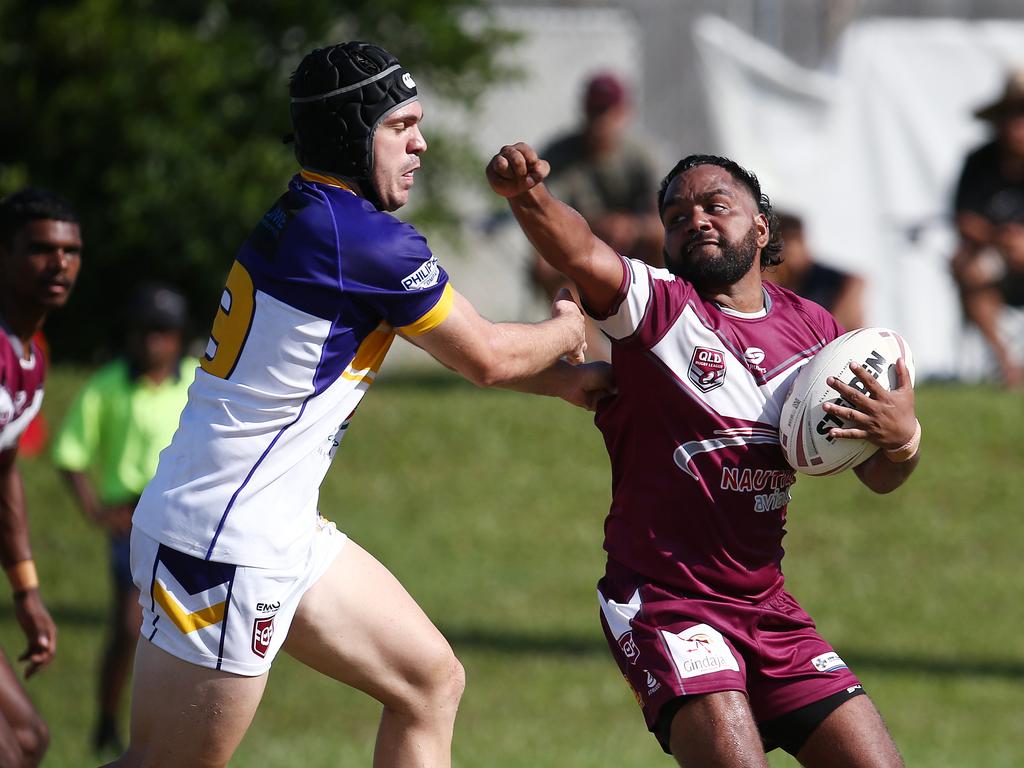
<point x="717" y="730"/>
<point x="358" y="625"/>
<point x="184" y="714"/>
<point x="852" y="736"/>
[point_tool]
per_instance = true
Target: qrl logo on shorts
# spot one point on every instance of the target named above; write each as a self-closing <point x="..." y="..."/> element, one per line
<point x="262" y="634"/>
<point x="629" y="647"/>
<point x="707" y="368"/>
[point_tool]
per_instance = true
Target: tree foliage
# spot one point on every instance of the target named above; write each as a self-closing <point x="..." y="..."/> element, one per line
<point x="162" y="123"/>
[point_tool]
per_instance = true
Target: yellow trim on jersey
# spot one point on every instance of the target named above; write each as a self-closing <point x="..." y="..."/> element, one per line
<point x="433" y="317"/>
<point x="323" y="178"/>
<point x="187" y="622"/>
<point x="370" y="355"/>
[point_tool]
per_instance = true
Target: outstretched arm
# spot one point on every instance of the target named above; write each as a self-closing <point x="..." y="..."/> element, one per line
<point x="582" y="385"/>
<point x="559" y="233"/>
<point x="885" y="418"/>
<point x="16" y="557"/>
<point x="504" y="354"/>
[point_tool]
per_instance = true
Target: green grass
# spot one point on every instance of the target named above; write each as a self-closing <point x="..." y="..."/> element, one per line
<point x="489" y="507"/>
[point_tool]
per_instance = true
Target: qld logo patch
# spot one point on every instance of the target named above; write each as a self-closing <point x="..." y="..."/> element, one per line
<point x="707" y="368"/>
<point x="262" y="634"/>
<point x="629" y="648"/>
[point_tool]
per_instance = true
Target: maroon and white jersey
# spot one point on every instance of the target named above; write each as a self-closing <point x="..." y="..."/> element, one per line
<point x="699" y="481"/>
<point x="21" y="387"/>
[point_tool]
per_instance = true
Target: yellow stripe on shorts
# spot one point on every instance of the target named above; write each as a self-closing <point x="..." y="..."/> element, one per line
<point x="187" y="622"/>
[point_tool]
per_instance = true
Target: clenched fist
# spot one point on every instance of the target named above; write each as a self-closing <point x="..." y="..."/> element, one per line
<point x="516" y="169"/>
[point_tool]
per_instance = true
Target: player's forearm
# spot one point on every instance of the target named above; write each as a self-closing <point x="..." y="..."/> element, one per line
<point x="883" y="475"/>
<point x="518" y="351"/>
<point x="558" y="232"/>
<point x="554" y="381"/>
<point x="14" y="542"/>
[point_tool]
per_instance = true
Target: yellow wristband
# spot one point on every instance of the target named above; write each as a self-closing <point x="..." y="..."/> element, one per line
<point x="908" y="450"/>
<point x="22" y="576"/>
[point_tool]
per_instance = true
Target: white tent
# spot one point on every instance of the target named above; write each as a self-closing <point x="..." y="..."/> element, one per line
<point x="869" y="152"/>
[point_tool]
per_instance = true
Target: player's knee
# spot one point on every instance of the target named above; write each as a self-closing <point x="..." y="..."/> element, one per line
<point x="436" y="686"/>
<point x="456" y="680"/>
<point x="447" y="681"/>
<point x="33" y="739"/>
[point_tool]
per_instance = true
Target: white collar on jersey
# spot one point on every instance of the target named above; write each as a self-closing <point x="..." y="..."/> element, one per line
<point x="762" y="312"/>
<point x="28" y="362"/>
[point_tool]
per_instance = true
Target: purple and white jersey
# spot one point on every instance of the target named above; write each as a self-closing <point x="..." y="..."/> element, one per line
<point x="310" y="309"/>
<point x="21" y="386"/>
<point x="699" y="481"/>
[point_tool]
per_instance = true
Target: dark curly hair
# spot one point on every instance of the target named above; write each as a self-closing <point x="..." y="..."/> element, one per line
<point x="31" y="204"/>
<point x="770" y="254"/>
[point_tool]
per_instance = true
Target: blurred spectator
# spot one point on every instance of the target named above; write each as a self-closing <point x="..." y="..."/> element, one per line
<point x="989" y="263"/>
<point x="124" y="416"/>
<point x="609" y="178"/>
<point x="841" y="293"/>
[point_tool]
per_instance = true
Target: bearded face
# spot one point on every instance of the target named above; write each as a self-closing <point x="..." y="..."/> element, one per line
<point x="707" y="264"/>
<point x="713" y="229"/>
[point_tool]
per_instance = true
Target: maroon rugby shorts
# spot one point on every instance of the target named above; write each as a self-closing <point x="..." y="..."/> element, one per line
<point x="669" y="645"/>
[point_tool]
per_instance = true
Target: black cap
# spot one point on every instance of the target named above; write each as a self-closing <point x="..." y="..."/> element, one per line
<point x="157" y="307"/>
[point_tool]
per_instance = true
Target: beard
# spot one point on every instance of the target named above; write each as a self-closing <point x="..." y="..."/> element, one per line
<point x="734" y="261"/>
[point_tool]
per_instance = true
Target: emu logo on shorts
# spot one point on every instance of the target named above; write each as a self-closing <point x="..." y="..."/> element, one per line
<point x="262" y="634"/>
<point x="707" y="368"/>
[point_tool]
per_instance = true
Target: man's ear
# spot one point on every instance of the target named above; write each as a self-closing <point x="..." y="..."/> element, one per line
<point x="763" y="231"/>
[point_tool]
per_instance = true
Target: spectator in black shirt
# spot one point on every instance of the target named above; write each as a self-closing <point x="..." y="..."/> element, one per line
<point x="989" y="262"/>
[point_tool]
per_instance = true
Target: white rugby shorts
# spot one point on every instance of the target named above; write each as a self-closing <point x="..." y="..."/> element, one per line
<point x="229" y="617"/>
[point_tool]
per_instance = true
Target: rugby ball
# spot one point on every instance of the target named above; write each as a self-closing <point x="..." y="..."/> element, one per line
<point x="804" y="425"/>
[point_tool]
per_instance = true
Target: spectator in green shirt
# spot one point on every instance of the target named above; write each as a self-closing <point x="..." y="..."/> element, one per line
<point x="108" y="448"/>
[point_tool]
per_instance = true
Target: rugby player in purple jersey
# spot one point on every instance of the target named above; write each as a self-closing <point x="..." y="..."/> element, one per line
<point x="232" y="558"/>
<point x="724" y="662"/>
<point x="40" y="255"/>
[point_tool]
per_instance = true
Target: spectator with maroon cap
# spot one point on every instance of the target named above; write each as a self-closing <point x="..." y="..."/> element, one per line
<point x="722" y="659"/>
<point x="40" y="254"/>
<point x="609" y="178"/>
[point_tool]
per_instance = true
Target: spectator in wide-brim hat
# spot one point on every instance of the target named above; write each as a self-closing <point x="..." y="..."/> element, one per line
<point x="1010" y="102"/>
<point x="989" y="263"/>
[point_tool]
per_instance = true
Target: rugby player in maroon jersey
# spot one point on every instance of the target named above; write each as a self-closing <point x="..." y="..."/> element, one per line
<point x="40" y="255"/>
<point x="725" y="663"/>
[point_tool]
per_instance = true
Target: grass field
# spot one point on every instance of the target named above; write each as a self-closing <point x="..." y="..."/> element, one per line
<point x="489" y="507"/>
